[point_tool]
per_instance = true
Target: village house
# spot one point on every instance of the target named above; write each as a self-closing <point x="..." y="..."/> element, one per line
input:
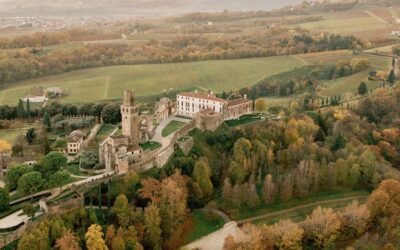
<point x="74" y="141"/>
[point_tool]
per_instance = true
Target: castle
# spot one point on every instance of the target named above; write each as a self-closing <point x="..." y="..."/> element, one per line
<point x="118" y="151"/>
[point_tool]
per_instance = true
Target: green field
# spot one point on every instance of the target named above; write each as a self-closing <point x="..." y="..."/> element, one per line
<point x="301" y="214"/>
<point x="203" y="224"/>
<point x="150" y="145"/>
<point x="352" y="22"/>
<point x="246" y="212"/>
<point x="171" y="127"/>
<point x="102" y="83"/>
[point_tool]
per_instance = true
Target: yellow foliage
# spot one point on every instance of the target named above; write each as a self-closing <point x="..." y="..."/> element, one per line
<point x="4" y="146"/>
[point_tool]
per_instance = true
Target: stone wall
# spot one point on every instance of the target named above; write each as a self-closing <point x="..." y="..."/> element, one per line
<point x="65" y="206"/>
<point x="186" y="145"/>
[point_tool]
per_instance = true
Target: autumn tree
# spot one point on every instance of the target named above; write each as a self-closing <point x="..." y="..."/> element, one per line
<point x="68" y="241"/>
<point x="118" y="242"/>
<point x="37" y="238"/>
<point x="269" y="190"/>
<point x="170" y="196"/>
<point x="152" y="222"/>
<point x="122" y="211"/>
<point x="354" y="220"/>
<point x="285" y="234"/>
<point x="322" y="227"/>
<point x="227" y="190"/>
<point x="202" y="176"/>
<point x="94" y="238"/>
<point x="261" y="105"/>
<point x="384" y="203"/>
<point x="286" y="188"/>
<point x="110" y="235"/>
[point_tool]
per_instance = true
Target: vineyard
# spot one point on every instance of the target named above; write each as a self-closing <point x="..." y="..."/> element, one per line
<point x="104" y="83"/>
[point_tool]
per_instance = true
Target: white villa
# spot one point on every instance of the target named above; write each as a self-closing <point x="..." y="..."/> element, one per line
<point x="189" y="104"/>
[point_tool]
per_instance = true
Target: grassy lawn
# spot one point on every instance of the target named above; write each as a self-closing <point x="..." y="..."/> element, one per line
<point x="150" y="145"/>
<point x="246" y="212"/>
<point x="245" y="119"/>
<point x="90" y="85"/>
<point x="171" y="127"/>
<point x="203" y="225"/>
<point x="301" y="214"/>
<point x="10" y="135"/>
<point x="104" y="131"/>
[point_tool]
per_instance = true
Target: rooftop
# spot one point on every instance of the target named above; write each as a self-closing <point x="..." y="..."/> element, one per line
<point x="205" y="96"/>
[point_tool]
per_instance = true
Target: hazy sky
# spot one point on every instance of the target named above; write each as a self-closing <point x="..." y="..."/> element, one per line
<point x="98" y="7"/>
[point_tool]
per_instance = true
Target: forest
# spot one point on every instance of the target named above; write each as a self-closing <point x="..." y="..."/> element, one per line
<point x="258" y="165"/>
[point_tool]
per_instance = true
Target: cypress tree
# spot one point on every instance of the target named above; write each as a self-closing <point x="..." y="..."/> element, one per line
<point x="28" y="109"/>
<point x="47" y="121"/>
<point x="20" y="110"/>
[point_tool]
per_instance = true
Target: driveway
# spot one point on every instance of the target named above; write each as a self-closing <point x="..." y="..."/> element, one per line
<point x="165" y="141"/>
<point x="14" y="219"/>
<point x="216" y="240"/>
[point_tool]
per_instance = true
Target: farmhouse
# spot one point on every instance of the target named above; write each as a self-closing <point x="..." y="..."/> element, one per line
<point x="189" y="104"/>
<point x="34" y="99"/>
<point x="396" y="32"/>
<point x="74" y="141"/>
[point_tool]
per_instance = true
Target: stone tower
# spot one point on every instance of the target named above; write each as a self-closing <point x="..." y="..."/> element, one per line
<point x="130" y="117"/>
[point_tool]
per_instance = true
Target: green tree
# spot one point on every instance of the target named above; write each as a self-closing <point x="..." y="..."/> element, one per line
<point x="20" y="110"/>
<point x="122" y="211"/>
<point x="29" y="209"/>
<point x="14" y="173"/>
<point x="152" y="222"/>
<point x="362" y="88"/>
<point x="53" y="162"/>
<point x="30" y="182"/>
<point x="59" y="179"/>
<point x="30" y="135"/>
<point x="4" y="199"/>
<point x="28" y="109"/>
<point x="202" y="175"/>
<point x="47" y="121"/>
<point x="392" y="77"/>
<point x="339" y="142"/>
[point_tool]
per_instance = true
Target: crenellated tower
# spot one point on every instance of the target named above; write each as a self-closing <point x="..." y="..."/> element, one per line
<point x="130" y="117"/>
